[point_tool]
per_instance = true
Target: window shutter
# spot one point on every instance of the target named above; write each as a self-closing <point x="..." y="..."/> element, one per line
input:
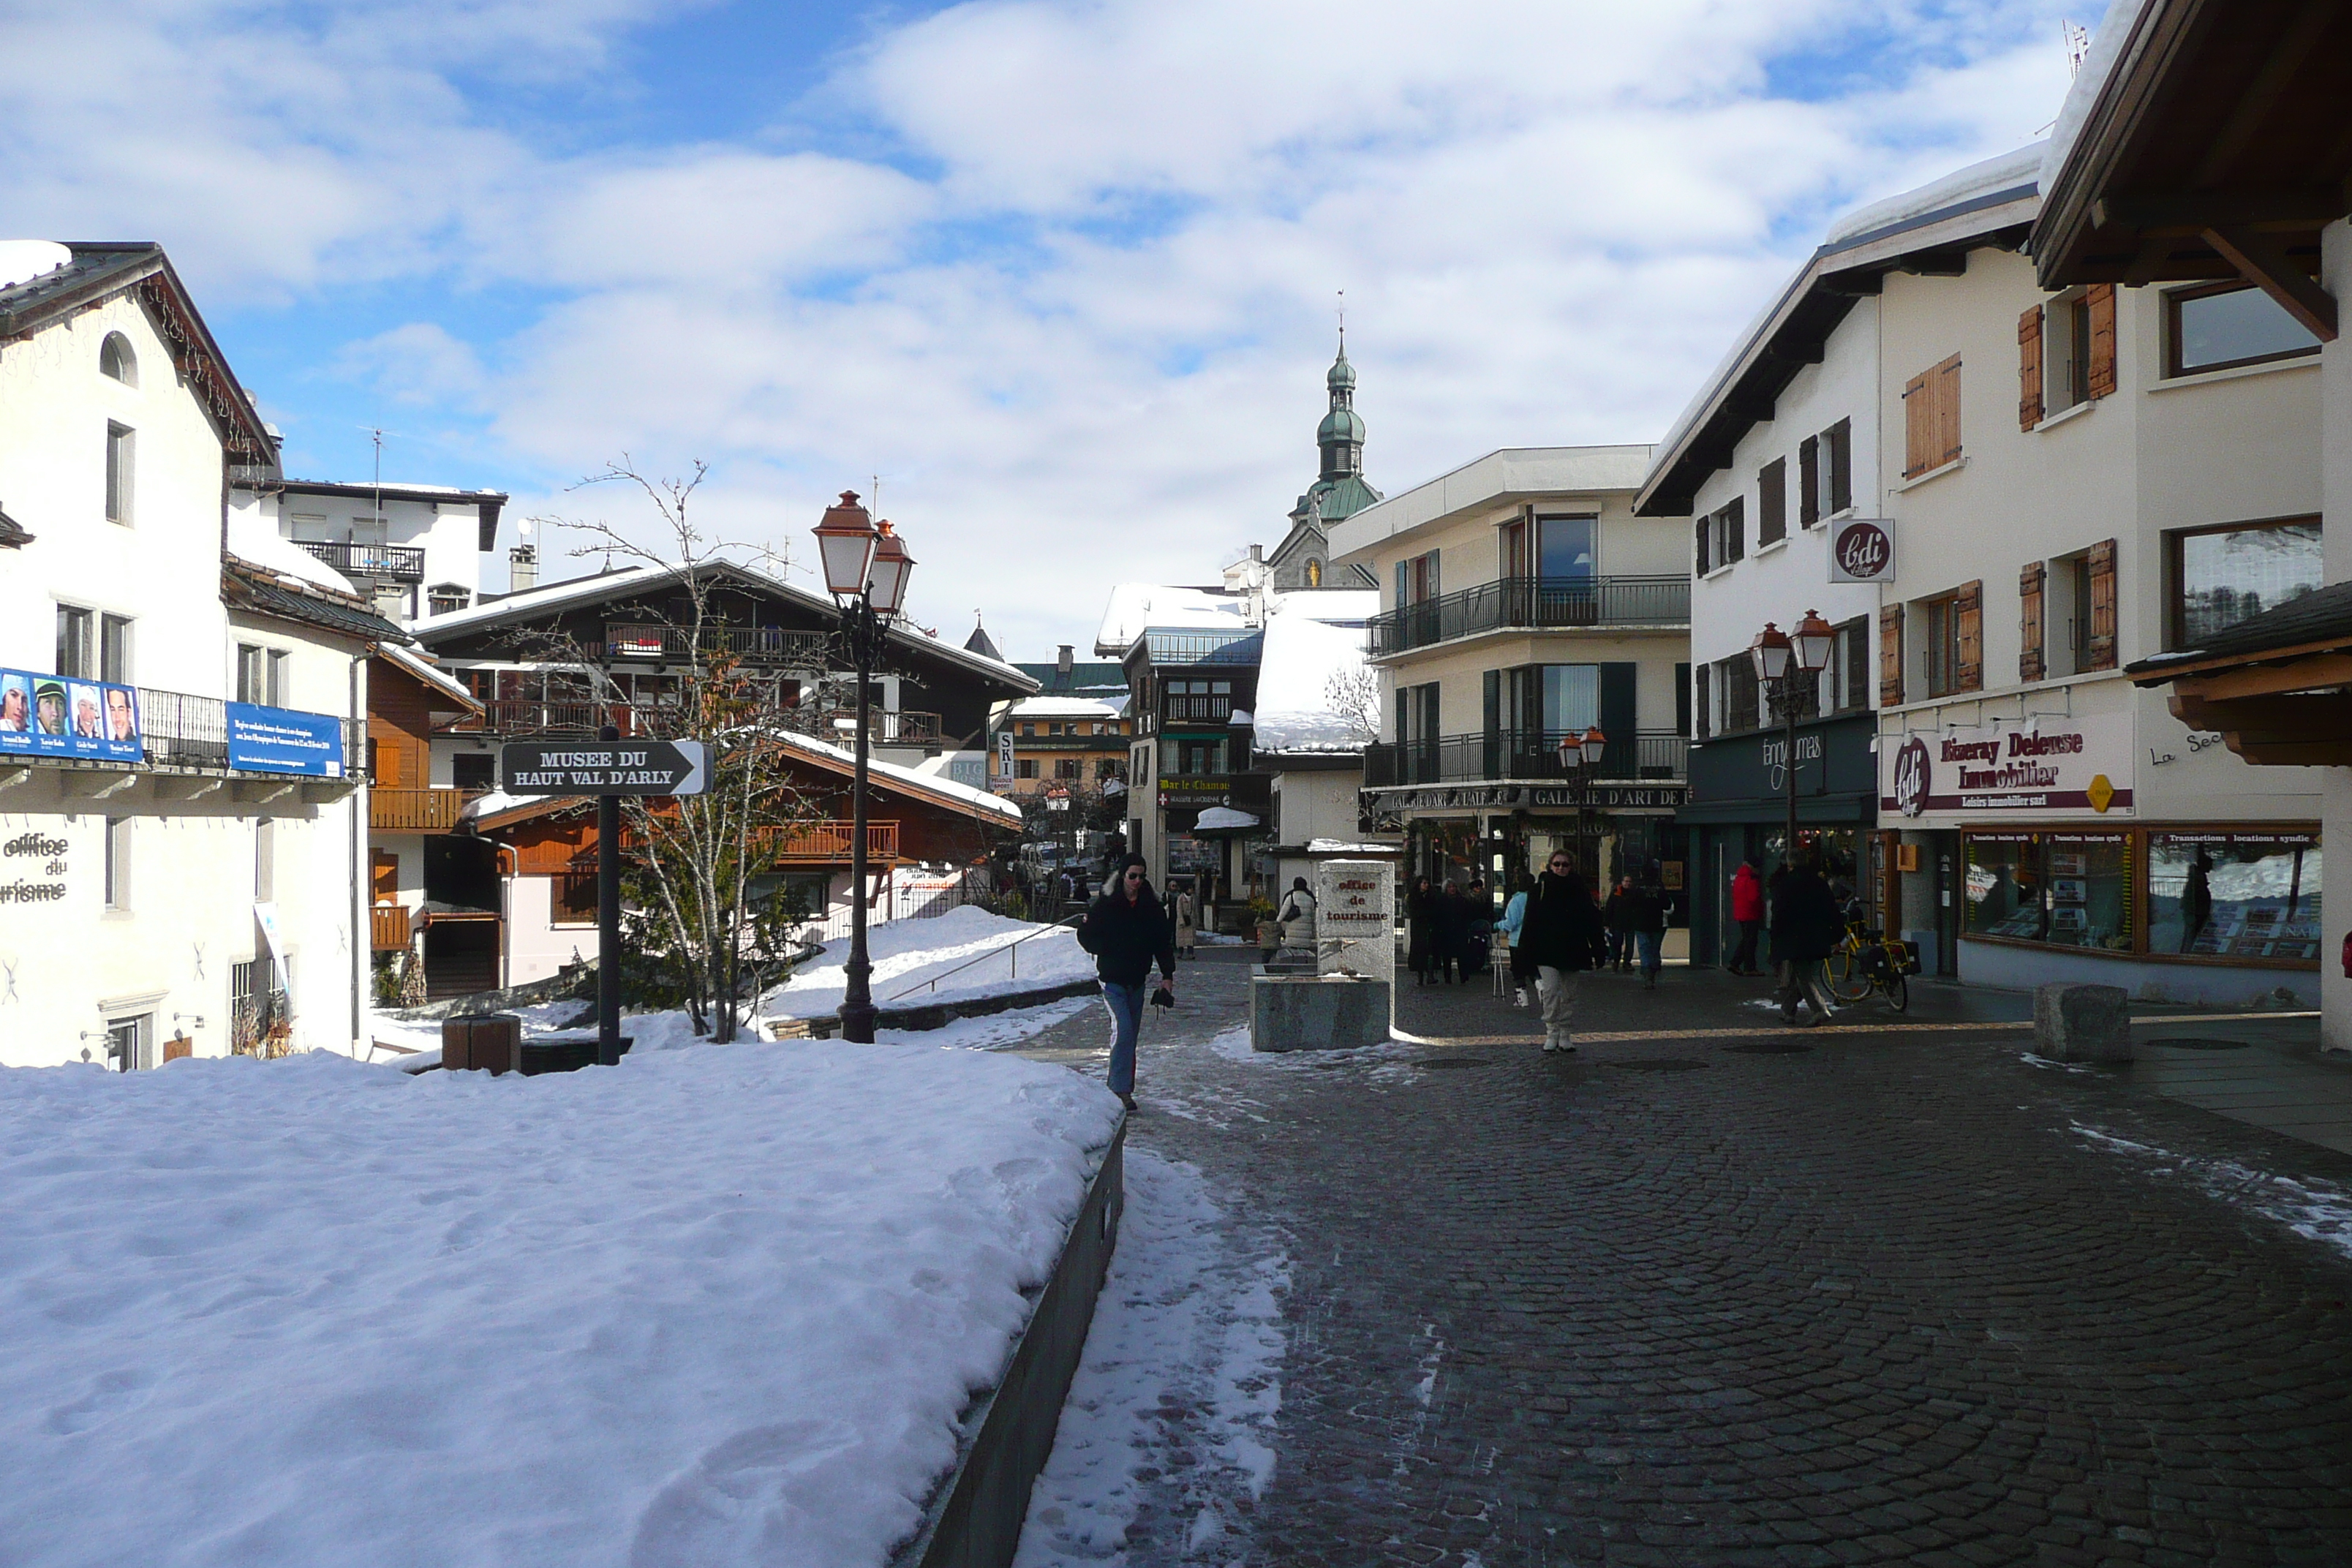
<point x="1735" y="530"/>
<point x="2029" y="369"/>
<point x="1918" y="425"/>
<point x="2099" y="304"/>
<point x="1682" y="699"/>
<point x="1700" y="712"/>
<point x="2103" y="606"/>
<point x="1856" y="641"/>
<point x="2029" y="665"/>
<point x="1840" y="440"/>
<point x="1967" y="609"/>
<point x="1771" y="502"/>
<point x="1808" y="485"/>
<point x="1948" y="412"/>
<point x="1698" y="555"/>
<point x="1890" y="656"/>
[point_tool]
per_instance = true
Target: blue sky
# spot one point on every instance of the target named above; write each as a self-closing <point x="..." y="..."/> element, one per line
<point x="1062" y="274"/>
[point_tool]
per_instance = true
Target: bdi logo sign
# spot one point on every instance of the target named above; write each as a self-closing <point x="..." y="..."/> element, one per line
<point x="1911" y="778"/>
<point x="1863" y="551"/>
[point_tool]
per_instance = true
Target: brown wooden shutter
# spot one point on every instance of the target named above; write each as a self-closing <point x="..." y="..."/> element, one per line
<point x="2099" y="304"/>
<point x="1698" y="551"/>
<point x="1808" y="474"/>
<point x="2103" y="606"/>
<point x="1967" y="609"/>
<point x="1856" y="639"/>
<point x="1890" y="656"/>
<point x="1702" y="715"/>
<point x="2029" y="369"/>
<point x="1918" y="425"/>
<point x="1772" y="502"/>
<point x="1735" y="530"/>
<point x="2029" y="621"/>
<point x="1948" y="412"/>
<point x="1840" y="436"/>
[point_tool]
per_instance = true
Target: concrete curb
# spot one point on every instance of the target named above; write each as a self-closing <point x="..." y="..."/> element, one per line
<point x="974" y="1517"/>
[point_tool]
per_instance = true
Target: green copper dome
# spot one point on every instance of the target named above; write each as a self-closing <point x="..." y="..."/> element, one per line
<point x="1342" y="375"/>
<point x="1340" y="424"/>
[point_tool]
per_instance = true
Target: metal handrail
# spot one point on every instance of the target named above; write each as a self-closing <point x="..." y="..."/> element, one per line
<point x="932" y="984"/>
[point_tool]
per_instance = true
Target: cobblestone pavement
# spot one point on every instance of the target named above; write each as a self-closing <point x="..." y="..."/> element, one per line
<point x="1838" y="1298"/>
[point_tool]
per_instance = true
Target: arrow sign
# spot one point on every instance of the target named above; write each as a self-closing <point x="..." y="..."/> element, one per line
<point x="603" y="767"/>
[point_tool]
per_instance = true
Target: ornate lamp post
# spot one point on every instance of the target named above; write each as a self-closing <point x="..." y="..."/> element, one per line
<point x="1779" y="659"/>
<point x="866" y="570"/>
<point x="1579" y="755"/>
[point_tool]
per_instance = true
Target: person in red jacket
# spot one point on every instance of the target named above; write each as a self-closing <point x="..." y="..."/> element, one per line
<point x="1747" y="910"/>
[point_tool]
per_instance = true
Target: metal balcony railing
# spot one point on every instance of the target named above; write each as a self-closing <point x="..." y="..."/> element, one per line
<point x="1521" y="754"/>
<point x="1534" y="603"/>
<point x="400" y="562"/>
<point x="653" y="644"/>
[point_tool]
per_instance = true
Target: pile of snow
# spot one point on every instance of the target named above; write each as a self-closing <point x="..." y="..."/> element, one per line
<point x="713" y="1307"/>
<point x="907" y="954"/>
<point x="252" y="539"/>
<point x="1303" y="657"/>
<point x="22" y="260"/>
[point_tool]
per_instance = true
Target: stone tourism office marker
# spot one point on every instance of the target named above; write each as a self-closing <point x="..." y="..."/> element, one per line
<point x="607" y="769"/>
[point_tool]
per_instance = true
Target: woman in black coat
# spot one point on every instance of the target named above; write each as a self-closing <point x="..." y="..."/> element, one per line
<point x="1453" y="929"/>
<point x="1563" y="937"/>
<point x="1420" y="928"/>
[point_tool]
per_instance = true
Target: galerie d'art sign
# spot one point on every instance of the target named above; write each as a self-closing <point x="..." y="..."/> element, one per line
<point x="2062" y="765"/>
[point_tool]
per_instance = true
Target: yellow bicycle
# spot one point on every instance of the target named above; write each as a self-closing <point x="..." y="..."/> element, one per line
<point x="1868" y="960"/>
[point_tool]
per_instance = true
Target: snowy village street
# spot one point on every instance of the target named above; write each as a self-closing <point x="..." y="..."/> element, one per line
<point x="1865" y="1298"/>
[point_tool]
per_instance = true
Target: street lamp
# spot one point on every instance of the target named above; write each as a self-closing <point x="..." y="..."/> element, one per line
<point x="1578" y="755"/>
<point x="1779" y="659"/>
<point x="866" y="570"/>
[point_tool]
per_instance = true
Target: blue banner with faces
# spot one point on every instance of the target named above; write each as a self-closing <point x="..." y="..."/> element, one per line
<point x="59" y="716"/>
<point x="283" y="740"/>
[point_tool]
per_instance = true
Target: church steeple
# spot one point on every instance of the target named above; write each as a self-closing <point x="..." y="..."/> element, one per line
<point x="1342" y="434"/>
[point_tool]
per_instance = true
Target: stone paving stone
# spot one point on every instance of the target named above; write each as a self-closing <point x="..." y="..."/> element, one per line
<point x="1873" y="1301"/>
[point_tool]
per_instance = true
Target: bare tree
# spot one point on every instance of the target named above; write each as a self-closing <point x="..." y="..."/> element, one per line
<point x="1354" y="693"/>
<point x="695" y="860"/>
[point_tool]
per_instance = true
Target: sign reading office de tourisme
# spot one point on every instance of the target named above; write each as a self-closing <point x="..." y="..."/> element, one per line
<point x="603" y="767"/>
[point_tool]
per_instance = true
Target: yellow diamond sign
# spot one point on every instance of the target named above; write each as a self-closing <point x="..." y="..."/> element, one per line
<point x="2100" y="792"/>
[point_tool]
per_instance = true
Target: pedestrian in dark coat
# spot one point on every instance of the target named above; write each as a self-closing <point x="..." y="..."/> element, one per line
<point x="1421" y="928"/>
<point x="1126" y="930"/>
<point x="1647" y="921"/>
<point x="1807" y="926"/>
<point x="1452" y="925"/>
<point x="1617" y="916"/>
<point x="1478" y="927"/>
<point x="1563" y="937"/>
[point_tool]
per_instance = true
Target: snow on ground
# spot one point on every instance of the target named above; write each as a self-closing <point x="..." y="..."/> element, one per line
<point x="711" y="1306"/>
<point x="2314" y="1210"/>
<point x="1174" y="1402"/>
<point x="993" y="1031"/>
<point x="907" y="953"/>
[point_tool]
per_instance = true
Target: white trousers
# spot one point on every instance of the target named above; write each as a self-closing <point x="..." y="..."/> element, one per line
<point x="1556" y="989"/>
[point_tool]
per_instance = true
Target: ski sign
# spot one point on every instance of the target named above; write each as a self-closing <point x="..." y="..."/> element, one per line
<point x="603" y="767"/>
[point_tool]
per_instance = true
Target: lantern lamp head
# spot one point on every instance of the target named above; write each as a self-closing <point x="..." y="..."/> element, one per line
<point x="844" y="541"/>
<point x="1770" y="651"/>
<point x="886" y="588"/>
<point x="1815" y="638"/>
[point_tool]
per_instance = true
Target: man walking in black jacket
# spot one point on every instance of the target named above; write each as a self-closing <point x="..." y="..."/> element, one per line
<point x="1124" y="930"/>
<point x="1561" y="936"/>
<point x="1807" y="925"/>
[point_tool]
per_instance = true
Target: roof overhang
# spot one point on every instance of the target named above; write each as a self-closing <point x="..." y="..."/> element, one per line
<point x="2216" y="147"/>
<point x="2284" y="699"/>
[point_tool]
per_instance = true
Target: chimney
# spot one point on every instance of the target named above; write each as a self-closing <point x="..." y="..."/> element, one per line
<point x="523" y="568"/>
<point x="1062" y="660"/>
<point x="1257" y="554"/>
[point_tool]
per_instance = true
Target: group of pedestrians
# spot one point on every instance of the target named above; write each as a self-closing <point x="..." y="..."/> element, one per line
<point x="1447" y="928"/>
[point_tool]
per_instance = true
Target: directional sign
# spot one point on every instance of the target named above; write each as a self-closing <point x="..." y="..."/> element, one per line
<point x="603" y="767"/>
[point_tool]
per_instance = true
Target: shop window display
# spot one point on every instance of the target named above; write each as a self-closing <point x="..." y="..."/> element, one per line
<point x="2005" y="890"/>
<point x="2088" y="880"/>
<point x="2234" y="895"/>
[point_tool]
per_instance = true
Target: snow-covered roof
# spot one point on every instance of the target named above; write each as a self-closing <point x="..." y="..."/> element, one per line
<point x="431" y="674"/>
<point x="1064" y="707"/>
<point x="1992" y="176"/>
<point x="1302" y="657"/>
<point x="552" y="597"/>
<point x="1222" y="817"/>
<point x="252" y="539"/>
<point x="1510" y="472"/>
<point x="1136" y="606"/>
<point x="962" y="794"/>
<point x="2106" y="48"/>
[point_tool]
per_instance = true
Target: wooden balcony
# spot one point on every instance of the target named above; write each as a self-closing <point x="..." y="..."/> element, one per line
<point x="828" y="843"/>
<point x="388" y="928"/>
<point x="414" y="810"/>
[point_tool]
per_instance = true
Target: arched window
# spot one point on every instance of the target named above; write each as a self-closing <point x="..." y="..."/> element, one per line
<point x="1314" y="572"/>
<point x="115" y="359"/>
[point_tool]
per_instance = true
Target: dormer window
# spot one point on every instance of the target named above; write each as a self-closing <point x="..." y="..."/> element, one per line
<point x="116" y="359"/>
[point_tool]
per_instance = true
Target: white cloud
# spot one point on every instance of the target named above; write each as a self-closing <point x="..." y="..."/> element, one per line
<point x="1070" y="296"/>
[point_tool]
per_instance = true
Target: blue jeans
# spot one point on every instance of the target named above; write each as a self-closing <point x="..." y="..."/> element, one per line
<point x="1125" y="1004"/>
<point x="1646" y="942"/>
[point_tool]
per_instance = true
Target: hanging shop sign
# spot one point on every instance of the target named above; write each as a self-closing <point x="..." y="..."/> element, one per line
<point x="57" y="716"/>
<point x="1862" y="550"/>
<point x="2047" y="764"/>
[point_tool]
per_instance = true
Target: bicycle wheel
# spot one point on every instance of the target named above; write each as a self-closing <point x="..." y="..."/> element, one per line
<point x="1898" y="991"/>
<point x="1849" y="977"/>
